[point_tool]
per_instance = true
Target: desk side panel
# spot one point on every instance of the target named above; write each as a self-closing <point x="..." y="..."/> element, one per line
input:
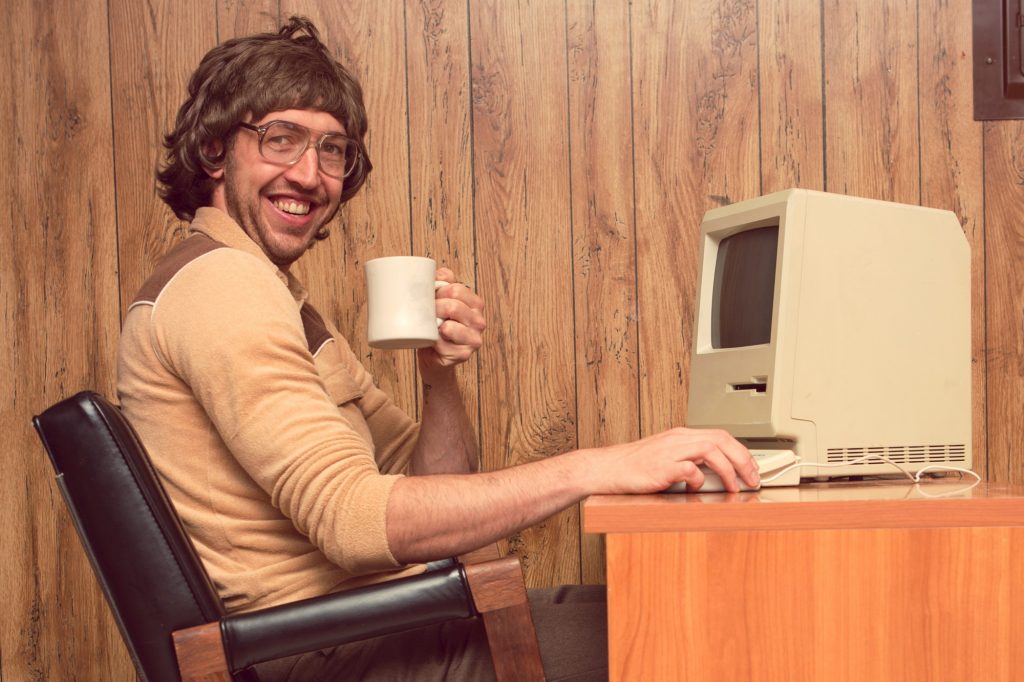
<point x="936" y="604"/>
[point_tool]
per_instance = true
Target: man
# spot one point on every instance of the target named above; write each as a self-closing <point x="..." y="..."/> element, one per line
<point x="293" y="473"/>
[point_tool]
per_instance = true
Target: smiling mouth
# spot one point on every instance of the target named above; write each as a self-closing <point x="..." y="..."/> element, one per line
<point x="292" y="207"/>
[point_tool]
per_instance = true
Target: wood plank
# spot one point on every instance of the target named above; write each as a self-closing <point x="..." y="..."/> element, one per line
<point x="604" y="239"/>
<point x="871" y="110"/>
<point x="496" y="584"/>
<point x="1004" y="292"/>
<point x="523" y="246"/>
<point x="500" y="596"/>
<point x="952" y="167"/>
<point x="200" y="653"/>
<point x="515" y="651"/>
<point x="59" y="325"/>
<point x="369" y="39"/>
<point x="237" y="18"/>
<point x="440" y="156"/>
<point x="924" y="604"/>
<point x="696" y="146"/>
<point x="155" y="47"/>
<point x="792" y="149"/>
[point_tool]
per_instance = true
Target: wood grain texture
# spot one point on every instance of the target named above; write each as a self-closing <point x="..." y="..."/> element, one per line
<point x="604" y="240"/>
<point x="513" y="644"/>
<point x="789" y="75"/>
<point x="485" y="553"/>
<point x="496" y="584"/>
<point x="952" y="167"/>
<point x="59" y="324"/>
<point x="200" y="652"/>
<point x="871" y="99"/>
<point x="489" y="132"/>
<point x="499" y="594"/>
<point x="440" y="155"/>
<point x="369" y="39"/>
<point x="236" y="18"/>
<point x="520" y="121"/>
<point x="1004" y="294"/>
<point x="848" y="506"/>
<point x="934" y="604"/>
<point x="695" y="147"/>
<point x="154" y="48"/>
<point x="925" y="589"/>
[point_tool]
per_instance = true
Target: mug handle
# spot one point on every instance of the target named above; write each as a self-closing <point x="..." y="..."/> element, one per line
<point x="437" y="285"/>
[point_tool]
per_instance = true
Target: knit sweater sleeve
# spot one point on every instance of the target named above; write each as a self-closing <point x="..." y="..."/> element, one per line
<point x="394" y="432"/>
<point x="229" y="328"/>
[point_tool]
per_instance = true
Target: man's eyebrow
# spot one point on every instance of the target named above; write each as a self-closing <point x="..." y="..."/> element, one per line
<point x="312" y="130"/>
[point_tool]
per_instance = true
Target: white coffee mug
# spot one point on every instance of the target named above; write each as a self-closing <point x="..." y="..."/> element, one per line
<point x="402" y="311"/>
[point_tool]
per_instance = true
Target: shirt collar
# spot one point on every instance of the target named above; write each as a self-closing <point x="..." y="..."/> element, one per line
<point x="221" y="227"/>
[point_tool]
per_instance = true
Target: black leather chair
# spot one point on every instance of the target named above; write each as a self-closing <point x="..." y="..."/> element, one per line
<point x="169" y="614"/>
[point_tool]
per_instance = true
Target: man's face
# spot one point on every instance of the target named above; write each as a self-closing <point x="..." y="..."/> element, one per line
<point x="280" y="207"/>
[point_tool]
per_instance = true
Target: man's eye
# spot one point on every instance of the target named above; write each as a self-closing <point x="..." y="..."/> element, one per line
<point x="281" y="141"/>
<point x="333" y="149"/>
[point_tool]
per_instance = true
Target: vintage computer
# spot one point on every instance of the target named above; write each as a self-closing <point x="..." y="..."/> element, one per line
<point x="836" y="328"/>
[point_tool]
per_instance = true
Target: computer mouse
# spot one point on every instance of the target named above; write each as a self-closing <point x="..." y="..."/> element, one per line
<point x="767" y="462"/>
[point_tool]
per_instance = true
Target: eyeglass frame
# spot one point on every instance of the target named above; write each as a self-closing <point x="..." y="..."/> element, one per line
<point x="261" y="131"/>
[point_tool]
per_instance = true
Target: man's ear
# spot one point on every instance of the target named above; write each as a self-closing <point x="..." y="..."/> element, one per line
<point x="214" y="149"/>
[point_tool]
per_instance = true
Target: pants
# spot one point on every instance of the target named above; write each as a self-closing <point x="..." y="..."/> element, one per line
<point x="572" y="628"/>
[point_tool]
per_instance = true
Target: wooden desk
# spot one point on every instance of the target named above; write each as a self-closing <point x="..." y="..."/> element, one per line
<point x="829" y="582"/>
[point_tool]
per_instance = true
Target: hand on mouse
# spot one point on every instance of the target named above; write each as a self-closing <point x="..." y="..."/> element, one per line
<point x="654" y="463"/>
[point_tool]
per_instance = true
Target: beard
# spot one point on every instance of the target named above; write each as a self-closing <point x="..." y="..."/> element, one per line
<point x="245" y="205"/>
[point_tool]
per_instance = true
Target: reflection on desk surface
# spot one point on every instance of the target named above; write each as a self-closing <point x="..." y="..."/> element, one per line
<point x="835" y="504"/>
<point x="850" y="491"/>
<point x="894" y="489"/>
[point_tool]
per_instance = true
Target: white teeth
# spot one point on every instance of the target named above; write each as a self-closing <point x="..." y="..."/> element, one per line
<point x="293" y="207"/>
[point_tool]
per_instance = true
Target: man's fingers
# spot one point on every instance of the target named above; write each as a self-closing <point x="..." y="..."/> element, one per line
<point x="691" y="474"/>
<point x="460" y="292"/>
<point x="716" y="460"/>
<point x="457" y="290"/>
<point x="459" y="311"/>
<point x="723" y="454"/>
<point x="459" y="334"/>
<point x="740" y="458"/>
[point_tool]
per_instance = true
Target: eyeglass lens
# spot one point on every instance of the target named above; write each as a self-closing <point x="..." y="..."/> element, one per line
<point x="284" y="142"/>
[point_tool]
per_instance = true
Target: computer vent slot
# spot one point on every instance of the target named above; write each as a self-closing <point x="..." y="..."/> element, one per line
<point x="901" y="454"/>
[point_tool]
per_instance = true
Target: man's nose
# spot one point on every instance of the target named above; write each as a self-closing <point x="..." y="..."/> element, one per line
<point x="306" y="171"/>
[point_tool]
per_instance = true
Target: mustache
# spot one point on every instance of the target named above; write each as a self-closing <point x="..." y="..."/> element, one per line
<point x="320" y="198"/>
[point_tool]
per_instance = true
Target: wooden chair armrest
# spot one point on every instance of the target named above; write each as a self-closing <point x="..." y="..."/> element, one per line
<point x="478" y="556"/>
<point x="200" y="654"/>
<point x="499" y="594"/>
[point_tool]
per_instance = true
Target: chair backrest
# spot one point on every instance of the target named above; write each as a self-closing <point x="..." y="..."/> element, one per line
<point x="145" y="562"/>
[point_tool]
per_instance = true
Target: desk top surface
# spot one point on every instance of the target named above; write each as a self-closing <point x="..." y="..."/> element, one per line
<point x="838" y="505"/>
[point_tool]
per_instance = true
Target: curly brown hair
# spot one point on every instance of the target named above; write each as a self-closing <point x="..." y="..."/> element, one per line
<point x="251" y="77"/>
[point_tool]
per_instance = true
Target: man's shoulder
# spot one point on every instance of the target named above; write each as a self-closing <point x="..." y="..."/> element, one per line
<point x="190" y="252"/>
<point x="172" y="263"/>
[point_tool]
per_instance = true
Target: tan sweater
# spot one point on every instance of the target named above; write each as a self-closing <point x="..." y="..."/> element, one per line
<point x="272" y="440"/>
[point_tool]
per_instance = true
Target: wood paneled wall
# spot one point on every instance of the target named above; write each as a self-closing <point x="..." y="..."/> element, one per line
<point x="558" y="154"/>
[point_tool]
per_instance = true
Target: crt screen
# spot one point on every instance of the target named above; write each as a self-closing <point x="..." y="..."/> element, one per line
<point x="741" y="304"/>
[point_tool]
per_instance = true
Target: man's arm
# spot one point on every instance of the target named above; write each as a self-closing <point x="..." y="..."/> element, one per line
<point x="427" y="515"/>
<point x="453" y="512"/>
<point x="446" y="444"/>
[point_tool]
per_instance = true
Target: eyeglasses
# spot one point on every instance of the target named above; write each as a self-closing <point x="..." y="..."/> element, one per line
<point x="284" y="142"/>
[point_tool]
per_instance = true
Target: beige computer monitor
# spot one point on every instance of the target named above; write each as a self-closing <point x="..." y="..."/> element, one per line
<point x="836" y="327"/>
